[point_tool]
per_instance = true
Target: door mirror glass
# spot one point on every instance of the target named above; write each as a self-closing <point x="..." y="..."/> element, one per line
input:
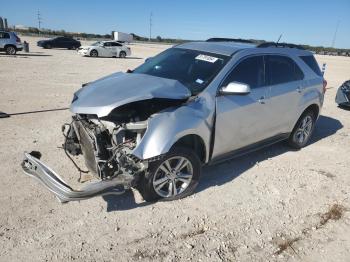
<point x="235" y="88"/>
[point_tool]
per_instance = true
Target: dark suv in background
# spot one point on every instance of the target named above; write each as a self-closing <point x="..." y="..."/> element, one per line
<point x="60" y="42"/>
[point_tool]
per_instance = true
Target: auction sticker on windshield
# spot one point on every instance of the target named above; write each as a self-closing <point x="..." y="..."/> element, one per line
<point x="207" y="58"/>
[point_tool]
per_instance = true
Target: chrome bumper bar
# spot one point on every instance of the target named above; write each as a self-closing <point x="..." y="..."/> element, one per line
<point x="33" y="167"/>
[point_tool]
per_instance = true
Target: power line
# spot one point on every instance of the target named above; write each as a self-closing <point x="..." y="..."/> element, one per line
<point x="150" y="26"/>
<point x="335" y="33"/>
<point x="39" y="20"/>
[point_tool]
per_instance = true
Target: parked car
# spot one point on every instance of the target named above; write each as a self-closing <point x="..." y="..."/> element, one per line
<point x="60" y="42"/>
<point x="343" y="94"/>
<point x="194" y="104"/>
<point x="105" y="49"/>
<point x="10" y="42"/>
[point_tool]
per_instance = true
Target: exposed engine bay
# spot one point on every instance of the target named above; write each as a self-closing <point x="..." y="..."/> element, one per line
<point x="107" y="143"/>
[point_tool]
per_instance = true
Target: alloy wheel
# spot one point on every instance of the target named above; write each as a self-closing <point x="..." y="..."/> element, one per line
<point x="173" y="176"/>
<point x="304" y="130"/>
<point x="11" y="50"/>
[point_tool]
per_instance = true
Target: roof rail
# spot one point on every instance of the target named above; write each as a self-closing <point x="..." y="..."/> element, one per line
<point x="282" y="45"/>
<point x="238" y="40"/>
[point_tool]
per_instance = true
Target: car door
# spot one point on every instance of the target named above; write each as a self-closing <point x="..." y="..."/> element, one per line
<point x="57" y="42"/>
<point x="66" y="42"/>
<point x="2" y="39"/>
<point x="286" y="87"/>
<point x="115" y="49"/>
<point x="106" y="49"/>
<point x="243" y="120"/>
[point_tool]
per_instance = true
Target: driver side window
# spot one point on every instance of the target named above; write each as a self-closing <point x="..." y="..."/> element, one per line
<point x="249" y="71"/>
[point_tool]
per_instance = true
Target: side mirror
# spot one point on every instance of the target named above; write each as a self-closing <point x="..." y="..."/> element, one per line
<point x="148" y="59"/>
<point x="235" y="88"/>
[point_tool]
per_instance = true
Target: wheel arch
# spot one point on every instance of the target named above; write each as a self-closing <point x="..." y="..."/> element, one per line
<point x="194" y="142"/>
<point x="313" y="108"/>
<point x="7" y="45"/>
<point x="93" y="51"/>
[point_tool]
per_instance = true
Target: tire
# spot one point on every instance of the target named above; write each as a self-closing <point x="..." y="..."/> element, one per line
<point x="122" y="54"/>
<point x="94" y="53"/>
<point x="155" y="184"/>
<point x="47" y="46"/>
<point x="72" y="48"/>
<point x="302" y="130"/>
<point x="10" y="50"/>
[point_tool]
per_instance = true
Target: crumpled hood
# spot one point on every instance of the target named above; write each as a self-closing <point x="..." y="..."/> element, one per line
<point x="102" y="96"/>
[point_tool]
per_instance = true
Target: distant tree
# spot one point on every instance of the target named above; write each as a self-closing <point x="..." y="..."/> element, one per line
<point x="159" y="39"/>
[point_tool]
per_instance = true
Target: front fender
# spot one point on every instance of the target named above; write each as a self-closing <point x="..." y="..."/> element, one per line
<point x="165" y="128"/>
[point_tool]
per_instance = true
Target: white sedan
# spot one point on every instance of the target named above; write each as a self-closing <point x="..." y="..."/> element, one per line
<point x="105" y="49"/>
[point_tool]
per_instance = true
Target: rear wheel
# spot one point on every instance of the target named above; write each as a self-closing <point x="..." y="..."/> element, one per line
<point x="173" y="177"/>
<point x="303" y="130"/>
<point x="10" y="50"/>
<point x="94" y="53"/>
<point x="72" y="47"/>
<point x="122" y="54"/>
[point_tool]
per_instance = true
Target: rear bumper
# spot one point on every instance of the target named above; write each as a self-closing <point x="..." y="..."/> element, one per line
<point x="33" y="167"/>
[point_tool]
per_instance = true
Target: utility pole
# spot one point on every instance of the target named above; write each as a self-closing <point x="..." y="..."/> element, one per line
<point x="39" y="20"/>
<point x="335" y="33"/>
<point x="150" y="26"/>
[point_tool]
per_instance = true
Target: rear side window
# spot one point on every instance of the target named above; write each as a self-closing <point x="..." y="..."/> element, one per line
<point x="249" y="71"/>
<point x="282" y="69"/>
<point x="311" y="62"/>
<point x="4" y="35"/>
<point x="115" y="44"/>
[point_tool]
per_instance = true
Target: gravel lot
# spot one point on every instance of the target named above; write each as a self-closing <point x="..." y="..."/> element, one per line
<point x="271" y="205"/>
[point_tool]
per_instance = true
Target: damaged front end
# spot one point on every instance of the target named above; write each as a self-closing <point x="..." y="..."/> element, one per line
<point x="111" y="116"/>
<point x="107" y="145"/>
<point x="343" y="94"/>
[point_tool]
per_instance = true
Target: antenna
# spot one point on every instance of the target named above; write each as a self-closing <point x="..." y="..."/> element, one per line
<point x="150" y="26"/>
<point x="335" y="33"/>
<point x="39" y="20"/>
<point x="279" y="38"/>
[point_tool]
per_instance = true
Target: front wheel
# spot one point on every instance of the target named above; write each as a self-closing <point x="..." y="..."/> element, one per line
<point x="303" y="130"/>
<point x="10" y="50"/>
<point x="173" y="177"/>
<point x="122" y="54"/>
<point x="94" y="53"/>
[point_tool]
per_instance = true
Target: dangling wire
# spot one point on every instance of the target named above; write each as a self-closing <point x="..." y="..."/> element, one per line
<point x="65" y="150"/>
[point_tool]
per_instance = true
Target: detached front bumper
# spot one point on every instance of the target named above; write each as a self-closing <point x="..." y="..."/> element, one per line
<point x="343" y="97"/>
<point x="33" y="167"/>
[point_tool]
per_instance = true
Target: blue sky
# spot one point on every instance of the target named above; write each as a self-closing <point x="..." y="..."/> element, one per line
<point x="309" y="21"/>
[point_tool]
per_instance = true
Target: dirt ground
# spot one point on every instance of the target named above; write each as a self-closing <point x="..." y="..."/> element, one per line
<point x="271" y="205"/>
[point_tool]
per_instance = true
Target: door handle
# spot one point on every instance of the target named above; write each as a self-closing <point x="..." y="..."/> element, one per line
<point x="261" y="100"/>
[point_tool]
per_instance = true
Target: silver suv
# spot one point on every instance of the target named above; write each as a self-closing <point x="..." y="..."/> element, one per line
<point x="10" y="42"/>
<point x="195" y="104"/>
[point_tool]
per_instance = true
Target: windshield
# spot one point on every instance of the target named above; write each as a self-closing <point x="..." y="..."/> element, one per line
<point x="194" y="69"/>
<point x="96" y="43"/>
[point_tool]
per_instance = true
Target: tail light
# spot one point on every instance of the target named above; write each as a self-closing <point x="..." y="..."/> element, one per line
<point x="324" y="86"/>
<point x="18" y="40"/>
